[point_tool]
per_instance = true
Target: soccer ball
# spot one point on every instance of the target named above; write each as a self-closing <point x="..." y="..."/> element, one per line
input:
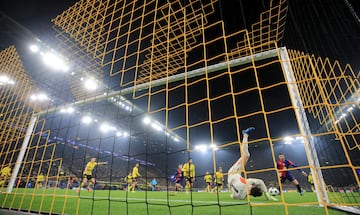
<point x="273" y="191"/>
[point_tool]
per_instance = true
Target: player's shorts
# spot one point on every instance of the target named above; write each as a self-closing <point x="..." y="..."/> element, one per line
<point x="134" y="179"/>
<point x="88" y="177"/>
<point x="178" y="181"/>
<point x="219" y="184"/>
<point x="237" y="186"/>
<point x="287" y="176"/>
<point x="208" y="183"/>
<point x="189" y="179"/>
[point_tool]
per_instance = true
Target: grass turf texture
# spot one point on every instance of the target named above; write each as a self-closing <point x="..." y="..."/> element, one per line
<point x="119" y="202"/>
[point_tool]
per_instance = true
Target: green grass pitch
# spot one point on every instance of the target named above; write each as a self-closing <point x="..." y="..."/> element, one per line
<point x="119" y="202"/>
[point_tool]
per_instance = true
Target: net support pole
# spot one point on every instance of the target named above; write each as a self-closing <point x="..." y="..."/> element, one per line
<point x="304" y="127"/>
<point x="22" y="151"/>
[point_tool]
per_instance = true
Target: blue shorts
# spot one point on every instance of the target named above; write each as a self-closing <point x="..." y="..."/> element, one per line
<point x="288" y="176"/>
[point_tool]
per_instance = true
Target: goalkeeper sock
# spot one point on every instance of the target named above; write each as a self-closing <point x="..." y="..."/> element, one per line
<point x="298" y="188"/>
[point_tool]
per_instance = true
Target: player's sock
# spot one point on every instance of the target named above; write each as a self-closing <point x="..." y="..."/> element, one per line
<point x="298" y="188"/>
<point x="248" y="130"/>
<point x="187" y="188"/>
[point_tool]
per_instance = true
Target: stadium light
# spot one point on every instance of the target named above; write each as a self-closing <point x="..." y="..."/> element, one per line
<point x="90" y="84"/>
<point x="214" y="147"/>
<point x="146" y="120"/>
<point x="118" y="134"/>
<point x="34" y="48"/>
<point x="39" y="97"/>
<point x="156" y="126"/>
<point x="104" y="127"/>
<point x="86" y="120"/>
<point x="68" y="110"/>
<point x="6" y="80"/>
<point x="201" y="147"/>
<point x="125" y="134"/>
<point x="55" y="61"/>
<point x="288" y="138"/>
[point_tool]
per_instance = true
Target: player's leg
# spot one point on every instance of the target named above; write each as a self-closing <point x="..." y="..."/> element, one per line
<point x="282" y="180"/>
<point x="187" y="185"/>
<point x="91" y="182"/>
<point x="294" y="182"/>
<point x="84" y="181"/>
<point x="245" y="154"/>
<point x="2" y="181"/>
<point x="218" y="187"/>
<point x="134" y="185"/>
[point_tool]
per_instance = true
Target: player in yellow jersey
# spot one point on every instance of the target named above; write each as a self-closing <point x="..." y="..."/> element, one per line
<point x="128" y="180"/>
<point x="40" y="180"/>
<point x="189" y="174"/>
<point x="5" y="173"/>
<point x="208" y="180"/>
<point x="219" y="180"/>
<point x="88" y="173"/>
<point x="311" y="181"/>
<point x="135" y="174"/>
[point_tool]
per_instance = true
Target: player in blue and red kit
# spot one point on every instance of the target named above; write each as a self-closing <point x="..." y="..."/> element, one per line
<point x="178" y="178"/>
<point x="282" y="165"/>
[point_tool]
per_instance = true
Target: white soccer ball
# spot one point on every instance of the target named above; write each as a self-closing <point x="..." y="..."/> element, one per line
<point x="273" y="191"/>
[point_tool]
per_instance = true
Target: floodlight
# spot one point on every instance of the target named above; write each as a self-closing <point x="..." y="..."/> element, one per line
<point x="34" y="48"/>
<point x="90" y="84"/>
<point x="33" y="97"/>
<point x="213" y="147"/>
<point x="126" y="134"/>
<point x="70" y="110"/>
<point x="54" y="61"/>
<point x="119" y="134"/>
<point x="5" y="80"/>
<point x="156" y="126"/>
<point x="39" y="97"/>
<point x="86" y="119"/>
<point x="201" y="147"/>
<point x="104" y="127"/>
<point x="176" y="139"/>
<point x="146" y="120"/>
<point x="42" y="97"/>
<point x="288" y="138"/>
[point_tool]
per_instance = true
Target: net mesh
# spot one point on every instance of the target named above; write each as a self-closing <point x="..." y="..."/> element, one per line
<point x="172" y="84"/>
